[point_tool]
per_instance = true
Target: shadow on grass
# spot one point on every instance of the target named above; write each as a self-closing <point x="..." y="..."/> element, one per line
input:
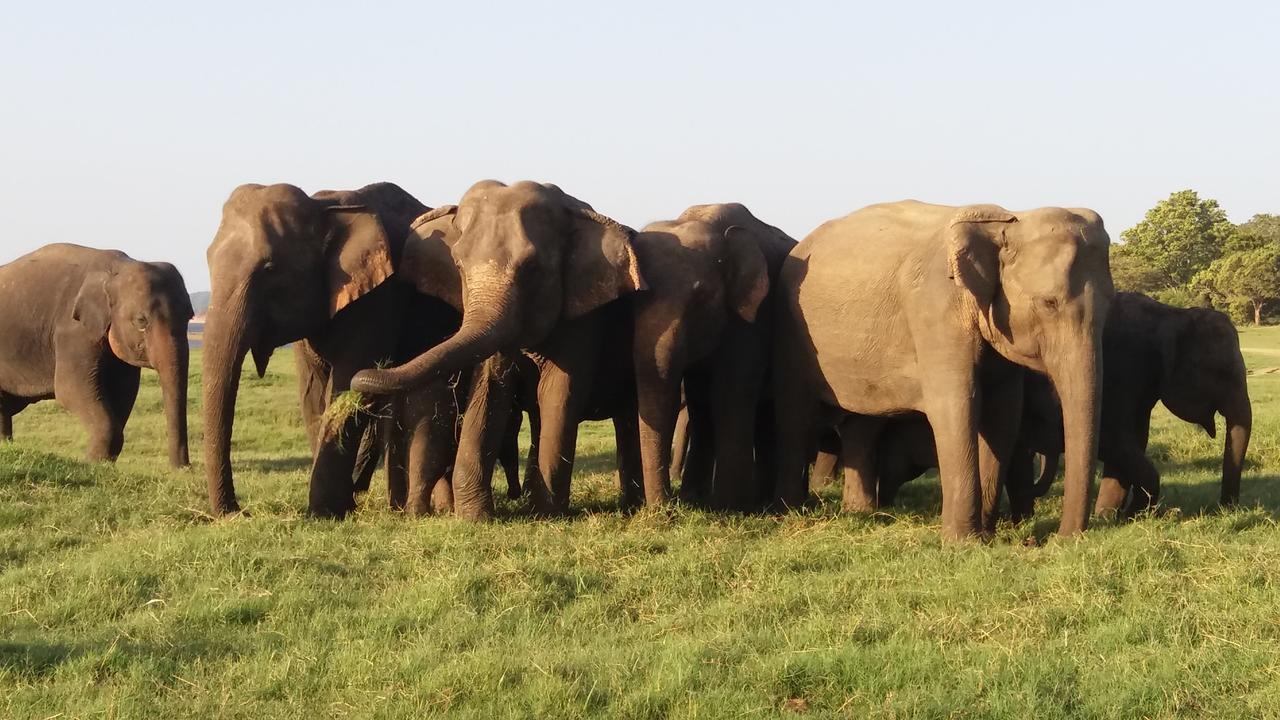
<point x="280" y="464"/>
<point x="19" y="465"/>
<point x="35" y="659"/>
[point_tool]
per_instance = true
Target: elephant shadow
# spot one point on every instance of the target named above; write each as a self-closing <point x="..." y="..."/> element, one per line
<point x="298" y="463"/>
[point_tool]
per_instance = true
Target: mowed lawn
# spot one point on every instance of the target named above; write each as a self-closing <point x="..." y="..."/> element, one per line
<point x="121" y="598"/>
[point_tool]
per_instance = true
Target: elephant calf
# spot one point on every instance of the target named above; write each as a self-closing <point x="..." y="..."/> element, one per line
<point x="82" y="323"/>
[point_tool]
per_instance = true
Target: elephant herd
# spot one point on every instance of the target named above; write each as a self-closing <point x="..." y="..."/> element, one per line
<point x="898" y="338"/>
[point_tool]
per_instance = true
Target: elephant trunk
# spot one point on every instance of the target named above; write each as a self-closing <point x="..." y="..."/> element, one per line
<point x="1076" y="376"/>
<point x="1239" y="415"/>
<point x="482" y="334"/>
<point x="170" y="355"/>
<point x="225" y="345"/>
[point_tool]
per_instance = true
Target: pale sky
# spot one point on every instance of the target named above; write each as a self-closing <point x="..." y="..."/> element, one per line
<point x="126" y="125"/>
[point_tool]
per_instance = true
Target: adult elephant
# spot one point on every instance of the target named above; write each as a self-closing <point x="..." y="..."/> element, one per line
<point x="705" y="321"/>
<point x="535" y="264"/>
<point x="287" y="267"/>
<point x="909" y="306"/>
<point x="89" y="320"/>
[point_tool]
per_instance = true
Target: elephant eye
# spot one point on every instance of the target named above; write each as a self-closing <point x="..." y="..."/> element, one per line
<point x="141" y="322"/>
<point x="1048" y="305"/>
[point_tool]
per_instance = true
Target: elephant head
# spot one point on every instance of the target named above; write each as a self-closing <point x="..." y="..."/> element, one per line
<point x="773" y="243"/>
<point x="140" y="310"/>
<point x="527" y="256"/>
<point x="281" y="265"/>
<point x="1202" y="373"/>
<point x="1039" y="284"/>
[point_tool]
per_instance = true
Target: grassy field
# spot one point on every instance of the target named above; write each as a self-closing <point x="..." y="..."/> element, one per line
<point x="121" y="598"/>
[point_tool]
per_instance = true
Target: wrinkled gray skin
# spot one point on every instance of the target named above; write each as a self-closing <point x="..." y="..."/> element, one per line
<point x="287" y="267"/>
<point x="1189" y="359"/>
<point x="533" y="264"/>
<point x="910" y="307"/>
<point x="705" y="321"/>
<point x="90" y="319"/>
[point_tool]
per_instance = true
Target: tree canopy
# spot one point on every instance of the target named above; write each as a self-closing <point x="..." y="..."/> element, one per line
<point x="1178" y="238"/>
<point x="1186" y="252"/>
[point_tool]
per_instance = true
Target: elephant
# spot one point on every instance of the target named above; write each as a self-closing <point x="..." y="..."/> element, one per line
<point x="912" y="307"/>
<point x="1187" y="358"/>
<point x="705" y="322"/>
<point x="286" y="267"/>
<point x="528" y="265"/>
<point x="90" y="319"/>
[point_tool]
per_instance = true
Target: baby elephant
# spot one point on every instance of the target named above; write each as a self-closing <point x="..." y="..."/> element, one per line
<point x="77" y="324"/>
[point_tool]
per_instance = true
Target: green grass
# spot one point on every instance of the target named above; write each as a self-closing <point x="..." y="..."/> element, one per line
<point x="120" y="597"/>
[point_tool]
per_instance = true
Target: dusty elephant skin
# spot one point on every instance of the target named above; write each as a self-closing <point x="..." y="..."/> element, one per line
<point x="534" y="263"/>
<point x="913" y="307"/>
<point x="287" y="267"/>
<point x="91" y="319"/>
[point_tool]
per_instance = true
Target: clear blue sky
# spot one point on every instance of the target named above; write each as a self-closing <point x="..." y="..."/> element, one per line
<point x="126" y="125"/>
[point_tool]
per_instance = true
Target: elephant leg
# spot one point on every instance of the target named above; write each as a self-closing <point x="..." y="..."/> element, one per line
<point x="313" y="389"/>
<point x="766" y="453"/>
<point x="680" y="442"/>
<point x="734" y="393"/>
<point x="561" y="394"/>
<point x="859" y="435"/>
<point x="1112" y="491"/>
<point x="509" y="456"/>
<point x="695" y="481"/>
<point x="1144" y="488"/>
<point x="78" y="385"/>
<point x="954" y="421"/>
<point x="119" y="384"/>
<point x="1020" y="483"/>
<point x="795" y="410"/>
<point x="1146" y="485"/>
<point x="827" y="461"/>
<point x="626" y="430"/>
<point x="6" y="419"/>
<point x="394" y="429"/>
<point x="532" y="475"/>
<point x="1001" y="416"/>
<point x="659" y="365"/>
<point x="484" y="424"/>
<point x="431" y="415"/>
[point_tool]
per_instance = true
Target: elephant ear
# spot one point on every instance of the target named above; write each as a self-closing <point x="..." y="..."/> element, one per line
<point x="92" y="307"/>
<point x="428" y="262"/>
<point x="1186" y="359"/>
<point x="747" y="277"/>
<point x="357" y="254"/>
<point x="975" y="237"/>
<point x="600" y="264"/>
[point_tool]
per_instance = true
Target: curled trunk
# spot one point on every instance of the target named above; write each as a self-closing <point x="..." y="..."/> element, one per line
<point x="476" y="340"/>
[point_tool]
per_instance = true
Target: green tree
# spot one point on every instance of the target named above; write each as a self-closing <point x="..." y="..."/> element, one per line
<point x="1251" y="276"/>
<point x="1178" y="238"/>
<point x="1260" y="230"/>
<point x="1132" y="273"/>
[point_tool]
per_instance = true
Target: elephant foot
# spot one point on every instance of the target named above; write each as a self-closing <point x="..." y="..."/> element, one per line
<point x="230" y="509"/>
